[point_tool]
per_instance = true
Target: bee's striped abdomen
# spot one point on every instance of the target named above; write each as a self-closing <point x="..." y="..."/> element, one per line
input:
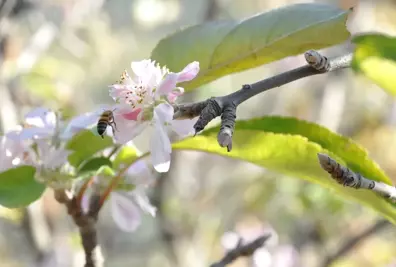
<point x="105" y="120"/>
<point x="101" y="126"/>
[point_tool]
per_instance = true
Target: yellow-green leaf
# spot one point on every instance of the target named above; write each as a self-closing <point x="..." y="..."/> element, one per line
<point x="290" y="146"/>
<point x="375" y="57"/>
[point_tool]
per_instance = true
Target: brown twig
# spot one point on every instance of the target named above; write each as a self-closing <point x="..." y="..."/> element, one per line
<point x="241" y="250"/>
<point x="226" y="106"/>
<point x="86" y="223"/>
<point x="347" y="177"/>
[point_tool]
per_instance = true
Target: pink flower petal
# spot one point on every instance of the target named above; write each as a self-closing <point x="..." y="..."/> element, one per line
<point x="117" y="91"/>
<point x="133" y="115"/>
<point x="125" y="213"/>
<point x="172" y="96"/>
<point x="167" y="84"/>
<point x="189" y="72"/>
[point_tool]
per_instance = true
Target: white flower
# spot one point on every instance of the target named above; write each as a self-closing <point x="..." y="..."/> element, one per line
<point x="40" y="123"/>
<point x="145" y="99"/>
<point x="12" y="153"/>
<point x="50" y="157"/>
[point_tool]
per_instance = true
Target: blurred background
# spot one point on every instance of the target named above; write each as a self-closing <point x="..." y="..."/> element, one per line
<point x="63" y="54"/>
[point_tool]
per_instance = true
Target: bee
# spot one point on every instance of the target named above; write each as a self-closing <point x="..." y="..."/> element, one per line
<point x="106" y="119"/>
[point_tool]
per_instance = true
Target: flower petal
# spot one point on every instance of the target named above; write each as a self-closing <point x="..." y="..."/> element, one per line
<point x="119" y="91"/>
<point x="168" y="84"/>
<point x="125" y="213"/>
<point x="184" y="127"/>
<point x="143" y="201"/>
<point x="79" y="123"/>
<point x="126" y="130"/>
<point x="30" y="133"/>
<point x="50" y="156"/>
<point x="149" y="75"/>
<point x="41" y="117"/>
<point x="160" y="148"/>
<point x="163" y="113"/>
<point x="262" y="258"/>
<point x="189" y="72"/>
<point x="9" y="151"/>
<point x="172" y="96"/>
<point x="84" y="204"/>
<point x="229" y="240"/>
<point x="139" y="173"/>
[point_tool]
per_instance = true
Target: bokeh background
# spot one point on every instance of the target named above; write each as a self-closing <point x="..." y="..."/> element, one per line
<point x="63" y="54"/>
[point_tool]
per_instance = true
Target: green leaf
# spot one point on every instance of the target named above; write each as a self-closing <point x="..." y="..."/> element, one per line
<point x="354" y="155"/>
<point x="290" y="146"/>
<point x="225" y="47"/>
<point x="94" y="164"/>
<point x="85" y="144"/>
<point x="18" y="188"/>
<point x="105" y="171"/>
<point x="126" y="156"/>
<point x="375" y="57"/>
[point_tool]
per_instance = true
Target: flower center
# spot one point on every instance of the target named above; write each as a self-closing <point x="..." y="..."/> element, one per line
<point x="136" y="96"/>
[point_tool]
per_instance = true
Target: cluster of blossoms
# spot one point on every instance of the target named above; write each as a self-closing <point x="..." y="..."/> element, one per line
<point x="142" y="100"/>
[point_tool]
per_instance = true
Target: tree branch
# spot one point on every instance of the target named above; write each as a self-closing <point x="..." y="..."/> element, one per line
<point x="347" y="177"/>
<point x="242" y="251"/>
<point x="351" y="243"/>
<point x="226" y="106"/>
<point x="86" y="223"/>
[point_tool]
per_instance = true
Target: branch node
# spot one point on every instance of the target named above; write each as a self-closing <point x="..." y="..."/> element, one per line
<point x="189" y="111"/>
<point x="228" y="117"/>
<point x="348" y="178"/>
<point x="246" y="86"/>
<point x="317" y="61"/>
<point x="211" y="111"/>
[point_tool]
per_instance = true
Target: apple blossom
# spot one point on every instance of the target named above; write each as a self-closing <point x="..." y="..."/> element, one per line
<point x="146" y="98"/>
<point x="39" y="123"/>
<point x="12" y="153"/>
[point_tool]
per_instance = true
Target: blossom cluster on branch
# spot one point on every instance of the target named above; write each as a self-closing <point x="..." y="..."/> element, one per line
<point x="142" y="99"/>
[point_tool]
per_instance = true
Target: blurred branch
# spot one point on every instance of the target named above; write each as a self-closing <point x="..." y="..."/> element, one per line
<point x="347" y="177"/>
<point x="166" y="231"/>
<point x="86" y="223"/>
<point x="226" y="106"/>
<point x="351" y="243"/>
<point x="245" y="250"/>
